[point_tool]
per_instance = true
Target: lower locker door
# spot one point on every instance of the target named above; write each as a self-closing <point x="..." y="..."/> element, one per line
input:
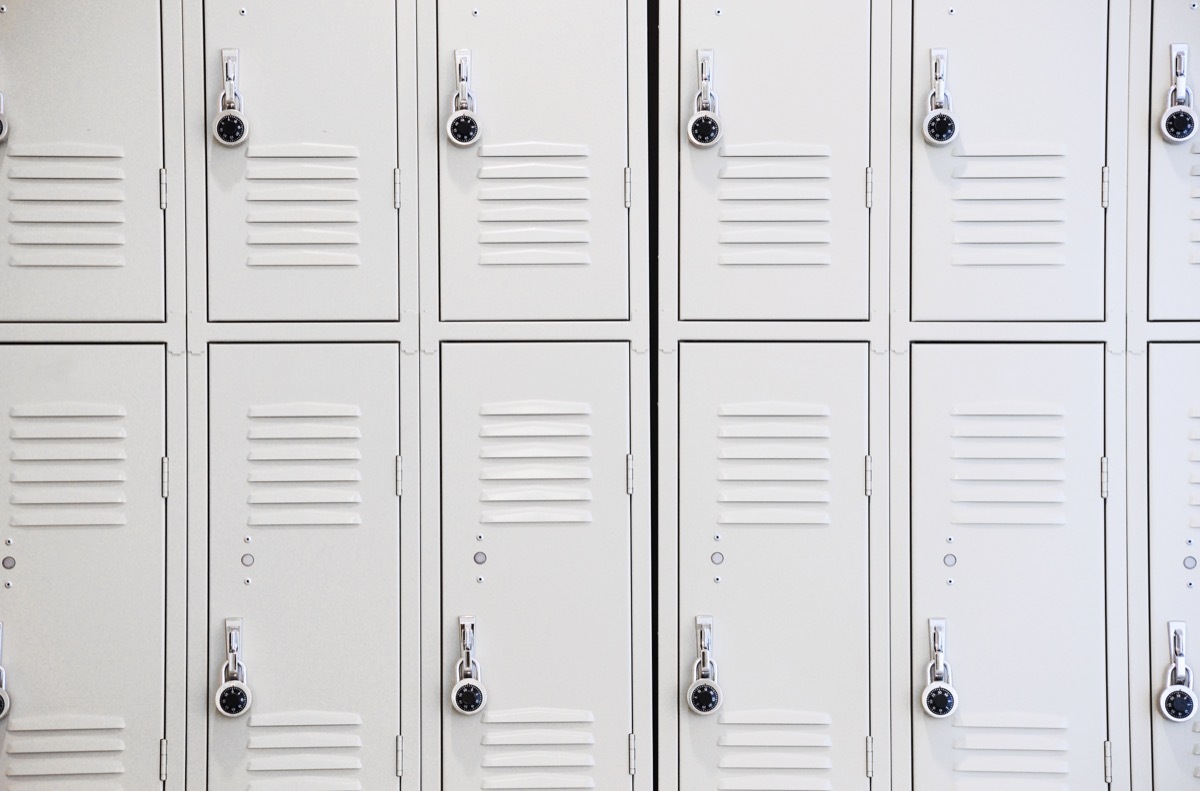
<point x="304" y="565"/>
<point x="536" y="549"/>
<point x="1174" y="518"/>
<point x="1008" y="529"/>
<point x="82" y="605"/>
<point x="773" y="530"/>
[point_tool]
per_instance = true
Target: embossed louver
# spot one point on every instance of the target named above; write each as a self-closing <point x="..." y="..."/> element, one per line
<point x="1010" y="206"/>
<point x="538" y="748"/>
<point x="305" y="751"/>
<point x="67" y="205"/>
<point x="305" y="465"/>
<point x="47" y="752"/>
<point x="1194" y="476"/>
<point x="302" y="205"/>
<point x="1194" y="204"/>
<point x="1009" y="463"/>
<point x="774" y="464"/>
<point x="1011" y="750"/>
<point x="67" y="465"/>
<point x="533" y="205"/>
<point x="537" y="463"/>
<point x="775" y="749"/>
<point x="776" y="205"/>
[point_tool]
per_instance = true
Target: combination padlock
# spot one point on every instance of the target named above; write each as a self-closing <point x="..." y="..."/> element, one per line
<point x="230" y="127"/>
<point x="704" y="127"/>
<point x="3" y="137"/>
<point x="1178" y="123"/>
<point x="463" y="126"/>
<point x="469" y="696"/>
<point x="1178" y="700"/>
<point x="704" y="694"/>
<point x="940" y="126"/>
<point x="939" y="698"/>
<point x="233" y="696"/>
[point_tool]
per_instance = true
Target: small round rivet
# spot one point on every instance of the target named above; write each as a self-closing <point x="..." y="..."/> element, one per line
<point x="480" y="558"/>
<point x="479" y="579"/>
<point x="950" y="581"/>
<point x="716" y="579"/>
<point x="475" y="12"/>
<point x="8" y="584"/>
<point x="479" y="537"/>
<point x="949" y="539"/>
<point x="718" y="558"/>
<point x="8" y="542"/>
<point x="247" y="580"/>
<point x="719" y="12"/>
<point x="247" y="539"/>
<point x="247" y="560"/>
<point x="951" y="12"/>
<point x="242" y="12"/>
<point x="717" y="537"/>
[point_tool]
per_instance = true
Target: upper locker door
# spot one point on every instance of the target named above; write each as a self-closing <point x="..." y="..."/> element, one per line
<point x="304" y="560"/>
<point x="1008" y="566"/>
<point x="533" y="217"/>
<point x="536" y="551"/>
<point x="1174" y="478"/>
<point x="1008" y="220"/>
<point x="1174" y="163"/>
<point x="84" y="567"/>
<point x="773" y="215"/>
<point x="81" y="229"/>
<point x="773" y="518"/>
<point x="302" y="220"/>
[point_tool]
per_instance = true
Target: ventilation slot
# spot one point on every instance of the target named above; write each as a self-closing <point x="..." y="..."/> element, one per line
<point x="1195" y="214"/>
<point x="777" y="750"/>
<point x="1002" y="750"/>
<point x="305" y="751"/>
<point x="538" y="749"/>
<point x="1194" y="477"/>
<point x="48" y="752"/>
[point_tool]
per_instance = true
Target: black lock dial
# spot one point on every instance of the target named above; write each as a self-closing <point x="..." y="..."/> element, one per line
<point x="3" y="128"/>
<point x="1179" y="705"/>
<point x="939" y="701"/>
<point x="705" y="129"/>
<point x="1179" y="125"/>
<point x="464" y="128"/>
<point x="231" y="129"/>
<point x="468" y="698"/>
<point x="233" y="700"/>
<point x="705" y="698"/>
<point x="3" y="706"/>
<point x="941" y="127"/>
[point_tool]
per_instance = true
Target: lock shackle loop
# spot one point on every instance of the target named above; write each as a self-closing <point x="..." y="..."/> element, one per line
<point x="945" y="102"/>
<point x="461" y="104"/>
<point x="944" y="676"/>
<point x="706" y="670"/>
<point x="237" y="673"/>
<point x="1174" y="93"/>
<point x="464" y="670"/>
<point x="226" y="103"/>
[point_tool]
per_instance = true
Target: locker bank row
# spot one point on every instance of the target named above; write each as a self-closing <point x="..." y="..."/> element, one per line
<point x="305" y="131"/>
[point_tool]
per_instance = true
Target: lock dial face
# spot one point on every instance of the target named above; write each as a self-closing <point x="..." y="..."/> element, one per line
<point x="1178" y="703"/>
<point x="233" y="699"/>
<point x="3" y="129"/>
<point x="1179" y="124"/>
<point x="704" y="129"/>
<point x="230" y="129"/>
<point x="939" y="700"/>
<point x="704" y="697"/>
<point x="5" y="703"/>
<point x="940" y="128"/>
<point x="463" y="129"/>
<point x="468" y="697"/>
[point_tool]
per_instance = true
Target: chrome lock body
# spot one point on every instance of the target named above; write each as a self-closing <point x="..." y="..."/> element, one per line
<point x="230" y="127"/>
<point x="940" y="126"/>
<point x="3" y="127"/>
<point x="468" y="695"/>
<point x="233" y="696"/>
<point x="463" y="126"/>
<point x="1178" y="123"/>
<point x="704" y="694"/>
<point x="939" y="698"/>
<point x="1178" y="700"/>
<point x="704" y="127"/>
<point x="5" y="700"/>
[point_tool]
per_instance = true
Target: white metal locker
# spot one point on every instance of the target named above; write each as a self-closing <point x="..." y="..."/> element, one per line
<point x="1174" y="479"/>
<point x="1008" y="219"/>
<point x="81" y="228"/>
<point x="84" y="565"/>
<point x="1008" y="528"/>
<point x="1174" y="167"/>
<point x="534" y="223"/>
<point x="302" y="214"/>
<point x="304" y="551"/>
<point x="536" y="548"/>
<point x="774" y="217"/>
<point x="773" y="523"/>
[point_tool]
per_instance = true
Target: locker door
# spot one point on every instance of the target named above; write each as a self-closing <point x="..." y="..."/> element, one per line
<point x="1007" y="219"/>
<point x="302" y="222"/>
<point x="774" y="222"/>
<point x="1174" y="167"/>
<point x="533" y="216"/>
<point x="304" y="550"/>
<point x="536" y="548"/>
<point x="81" y="230"/>
<point x="84" y="566"/>
<point x="1008" y="548"/>
<point x="1174" y="480"/>
<point x="773" y="518"/>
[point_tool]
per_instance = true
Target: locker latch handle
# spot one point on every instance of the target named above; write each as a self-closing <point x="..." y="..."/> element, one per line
<point x="704" y="127"/>
<point x="463" y="126"/>
<point x="1178" y="700"/>
<point x="230" y="127"/>
<point x="939" y="698"/>
<point x="233" y="695"/>
<point x="5" y="700"/>
<point x="704" y="695"/>
<point x="468" y="695"/>
<point x="1179" y="120"/>
<point x="940" y="126"/>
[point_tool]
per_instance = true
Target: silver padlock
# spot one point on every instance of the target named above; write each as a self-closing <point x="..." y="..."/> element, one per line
<point x="233" y="695"/>
<point x="940" y="126"/>
<point x="463" y="126"/>
<point x="704" y="127"/>
<point x="5" y="700"/>
<point x="939" y="698"/>
<point x="3" y="127"/>
<point x="468" y="696"/>
<point x="1178" y="123"/>
<point x="230" y="127"/>
<point x="704" y="694"/>
<point x="1178" y="701"/>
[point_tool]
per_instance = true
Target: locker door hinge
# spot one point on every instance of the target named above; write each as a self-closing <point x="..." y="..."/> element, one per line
<point x="162" y="188"/>
<point x="870" y="188"/>
<point x="162" y="760"/>
<point x="166" y="477"/>
<point x="870" y="757"/>
<point x="628" y="188"/>
<point x="1108" y="762"/>
<point x="632" y="754"/>
<point x="399" y="756"/>
<point x="1104" y="187"/>
<point x="869" y="475"/>
<point x="399" y="476"/>
<point x="396" y="187"/>
<point x="628" y="473"/>
<point x="1104" y="477"/>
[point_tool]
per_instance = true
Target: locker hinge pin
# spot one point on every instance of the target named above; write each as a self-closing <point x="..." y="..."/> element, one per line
<point x="399" y="476"/>
<point x="162" y="760"/>
<point x="1104" y="477"/>
<point x="628" y="188"/>
<point x="396" y="187"/>
<point x="870" y="188"/>
<point x="869" y="475"/>
<point x="162" y="188"/>
<point x="870" y="756"/>
<point x="1104" y="187"/>
<point x="166" y="477"/>
<point x="628" y="473"/>
<point x="632" y="754"/>
<point x="1108" y="774"/>
<point x="399" y="756"/>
